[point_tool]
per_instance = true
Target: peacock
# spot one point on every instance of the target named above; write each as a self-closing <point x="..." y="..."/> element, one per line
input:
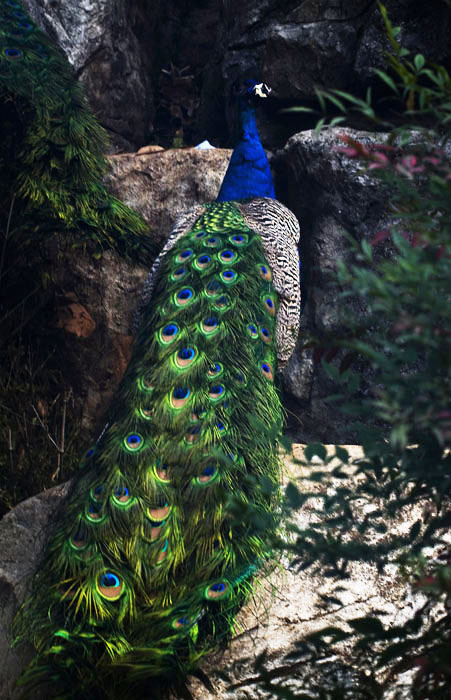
<point x="150" y="560"/>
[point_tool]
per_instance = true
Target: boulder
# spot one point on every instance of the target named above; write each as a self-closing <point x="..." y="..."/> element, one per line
<point x="103" y="42"/>
<point x="332" y="197"/>
<point x="24" y="533"/>
<point x="163" y="184"/>
<point x="96" y="299"/>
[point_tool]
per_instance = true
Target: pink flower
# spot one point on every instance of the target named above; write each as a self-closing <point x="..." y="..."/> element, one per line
<point x="379" y="237"/>
<point x="347" y="150"/>
<point x="379" y="160"/>
<point x="407" y="166"/>
<point x="431" y="160"/>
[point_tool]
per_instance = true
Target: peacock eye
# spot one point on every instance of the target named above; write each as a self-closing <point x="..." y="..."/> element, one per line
<point x="265" y="334"/>
<point x="223" y="302"/>
<point x="186" y="354"/>
<point x="267" y="370"/>
<point x="209" y="474"/>
<point x="227" y="256"/>
<point x="122" y="496"/>
<point x="134" y="442"/>
<point x="216" y="391"/>
<point x="270" y="305"/>
<point x="90" y="453"/>
<point x="181" y="393"/>
<point x="213" y="288"/>
<point x="180" y="397"/>
<point x="192" y="434"/>
<point x="229" y="276"/>
<point x="185" y="357"/>
<point x="110" y="586"/>
<point x="183" y="622"/>
<point x="169" y="333"/>
<point x="215" y="370"/>
<point x="265" y="272"/>
<point x="99" y="492"/>
<point x="209" y="325"/>
<point x="13" y="54"/>
<point x="184" y="296"/>
<point x="239" y="239"/>
<point x="217" y="590"/>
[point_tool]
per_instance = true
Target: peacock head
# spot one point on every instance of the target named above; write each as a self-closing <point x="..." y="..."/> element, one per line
<point x="257" y="89"/>
<point x="249" y="91"/>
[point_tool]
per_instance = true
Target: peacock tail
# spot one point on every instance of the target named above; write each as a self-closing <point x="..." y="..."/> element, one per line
<point x="152" y="557"/>
<point x="149" y="568"/>
<point x="51" y="160"/>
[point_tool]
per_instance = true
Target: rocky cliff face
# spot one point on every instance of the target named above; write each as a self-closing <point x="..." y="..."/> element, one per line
<point x="119" y="49"/>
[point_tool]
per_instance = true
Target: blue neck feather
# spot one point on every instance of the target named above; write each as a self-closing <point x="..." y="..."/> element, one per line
<point x="248" y="174"/>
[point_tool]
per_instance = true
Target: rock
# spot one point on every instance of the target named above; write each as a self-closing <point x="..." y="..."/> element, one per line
<point x="162" y="185"/>
<point x="101" y="41"/>
<point x="324" y="49"/>
<point x="24" y="533"/>
<point x="330" y="195"/>
<point x="74" y="318"/>
<point x="287" y="605"/>
<point x="94" y="316"/>
<point x="298" y="47"/>
<point x="144" y="150"/>
<point x="125" y="51"/>
<point x="96" y="299"/>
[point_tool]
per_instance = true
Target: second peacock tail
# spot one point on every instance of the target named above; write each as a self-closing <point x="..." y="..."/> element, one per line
<point x="147" y="568"/>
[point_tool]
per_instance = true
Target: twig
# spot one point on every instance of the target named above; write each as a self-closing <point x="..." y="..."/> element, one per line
<point x="8" y="223"/>
<point x="10" y="448"/>
<point x="63" y="434"/>
<point x="45" y="429"/>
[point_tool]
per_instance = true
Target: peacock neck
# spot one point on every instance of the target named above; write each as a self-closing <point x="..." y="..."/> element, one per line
<point x="248" y="174"/>
<point x="248" y="124"/>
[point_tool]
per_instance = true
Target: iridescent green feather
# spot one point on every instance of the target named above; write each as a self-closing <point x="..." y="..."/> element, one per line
<point x="147" y="570"/>
<point x="52" y="161"/>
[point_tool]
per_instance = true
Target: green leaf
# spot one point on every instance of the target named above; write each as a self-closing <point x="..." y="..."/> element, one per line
<point x="367" y="250"/>
<point x="298" y="108"/>
<point x="386" y="78"/>
<point x="419" y="61"/>
<point x="337" y="120"/>
<point x="338" y="103"/>
<point x="319" y="125"/>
